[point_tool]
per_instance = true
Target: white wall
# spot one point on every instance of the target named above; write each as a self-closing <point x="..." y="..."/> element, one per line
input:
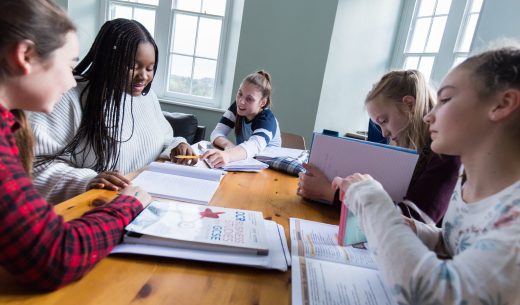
<point x="359" y="54"/>
<point x="498" y="19"/>
<point x="85" y="14"/>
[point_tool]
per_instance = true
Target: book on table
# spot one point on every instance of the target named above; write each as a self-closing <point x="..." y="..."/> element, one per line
<point x="323" y="272"/>
<point x="341" y="156"/>
<point x="214" y="234"/>
<point x="179" y="182"/>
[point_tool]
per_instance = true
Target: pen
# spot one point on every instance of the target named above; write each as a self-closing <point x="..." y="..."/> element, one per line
<point x="187" y="157"/>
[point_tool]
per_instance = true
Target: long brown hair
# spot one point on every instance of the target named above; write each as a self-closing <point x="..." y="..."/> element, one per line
<point x="24" y="140"/>
<point x="262" y="80"/>
<point x="45" y="24"/>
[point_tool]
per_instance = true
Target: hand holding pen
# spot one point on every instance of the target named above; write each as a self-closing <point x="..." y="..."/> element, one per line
<point x="183" y="154"/>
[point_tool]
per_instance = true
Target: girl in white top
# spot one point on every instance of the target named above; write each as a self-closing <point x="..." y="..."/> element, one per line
<point x="475" y="257"/>
<point x="110" y="124"/>
<point x="251" y="118"/>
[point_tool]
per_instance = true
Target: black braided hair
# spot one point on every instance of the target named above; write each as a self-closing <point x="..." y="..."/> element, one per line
<point x="105" y="68"/>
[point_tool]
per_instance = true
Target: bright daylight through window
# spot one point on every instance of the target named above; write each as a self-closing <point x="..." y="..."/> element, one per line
<point x="194" y="32"/>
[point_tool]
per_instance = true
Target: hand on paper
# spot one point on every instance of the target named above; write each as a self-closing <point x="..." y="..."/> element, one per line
<point x="110" y="180"/>
<point x="344" y="183"/>
<point x="216" y="158"/>
<point x="139" y="194"/>
<point x="183" y="149"/>
<point x="314" y="185"/>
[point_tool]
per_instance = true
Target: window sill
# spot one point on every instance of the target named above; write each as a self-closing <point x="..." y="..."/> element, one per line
<point x="184" y="104"/>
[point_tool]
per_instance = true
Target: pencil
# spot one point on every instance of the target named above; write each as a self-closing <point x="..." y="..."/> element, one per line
<point x="187" y="157"/>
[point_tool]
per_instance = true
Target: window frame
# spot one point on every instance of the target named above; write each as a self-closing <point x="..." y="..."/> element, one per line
<point x="454" y="28"/>
<point x="164" y="19"/>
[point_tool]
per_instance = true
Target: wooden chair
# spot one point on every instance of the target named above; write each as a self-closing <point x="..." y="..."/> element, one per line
<point x="291" y="140"/>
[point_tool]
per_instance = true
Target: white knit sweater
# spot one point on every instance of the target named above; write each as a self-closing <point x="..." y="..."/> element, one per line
<point x="152" y="138"/>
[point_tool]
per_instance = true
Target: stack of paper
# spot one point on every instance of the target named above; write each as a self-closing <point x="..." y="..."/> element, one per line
<point x="211" y="234"/>
<point x="246" y="165"/>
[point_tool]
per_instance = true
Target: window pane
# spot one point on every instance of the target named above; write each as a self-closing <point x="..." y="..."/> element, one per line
<point x="189" y="5"/>
<point x="443" y="7"/>
<point x="426" y="65"/>
<point x="411" y="62"/>
<point x="184" y="32"/>
<point x="208" y="38"/>
<point x="436" y="32"/>
<point x="150" y="2"/>
<point x="469" y="31"/>
<point x="146" y="17"/>
<point x="204" y="77"/>
<point x="120" y="11"/>
<point x="420" y="33"/>
<point x="214" y="7"/>
<point x="426" y="8"/>
<point x="180" y="74"/>
<point x="476" y="6"/>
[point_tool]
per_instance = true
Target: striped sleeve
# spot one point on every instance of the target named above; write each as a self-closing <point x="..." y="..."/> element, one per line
<point x="58" y="180"/>
<point x="226" y="123"/>
<point x="264" y="128"/>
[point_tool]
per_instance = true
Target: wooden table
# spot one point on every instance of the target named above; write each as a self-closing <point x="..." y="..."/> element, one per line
<point x="154" y="280"/>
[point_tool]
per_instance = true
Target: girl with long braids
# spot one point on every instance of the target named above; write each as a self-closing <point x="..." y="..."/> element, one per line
<point x="110" y="124"/>
<point x="254" y="123"/>
<point x="38" y="48"/>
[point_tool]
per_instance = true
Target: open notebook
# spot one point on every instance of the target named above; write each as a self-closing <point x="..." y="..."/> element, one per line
<point x="179" y="182"/>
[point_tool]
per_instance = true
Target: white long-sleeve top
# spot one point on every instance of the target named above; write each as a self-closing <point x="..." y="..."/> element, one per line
<point x="152" y="138"/>
<point x="482" y="240"/>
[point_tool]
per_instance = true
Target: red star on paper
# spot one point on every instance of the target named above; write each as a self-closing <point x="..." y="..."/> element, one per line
<point x="209" y="213"/>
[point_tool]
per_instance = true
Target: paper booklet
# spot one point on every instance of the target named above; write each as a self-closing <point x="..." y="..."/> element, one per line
<point x="196" y="227"/>
<point x="179" y="182"/>
<point x="212" y="234"/>
<point x="325" y="273"/>
<point x="390" y="165"/>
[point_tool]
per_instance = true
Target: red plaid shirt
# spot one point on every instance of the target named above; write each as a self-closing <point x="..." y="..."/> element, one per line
<point x="36" y="245"/>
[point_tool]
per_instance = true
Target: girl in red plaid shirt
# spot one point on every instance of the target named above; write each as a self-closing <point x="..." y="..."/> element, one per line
<point x="38" y="50"/>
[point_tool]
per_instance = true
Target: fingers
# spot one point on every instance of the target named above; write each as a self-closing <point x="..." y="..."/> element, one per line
<point x="183" y="149"/>
<point x="309" y="169"/>
<point x="214" y="158"/>
<point x="138" y="193"/>
<point x="336" y="182"/>
<point x="110" y="180"/>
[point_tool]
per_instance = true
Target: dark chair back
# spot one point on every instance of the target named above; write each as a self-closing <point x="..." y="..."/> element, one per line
<point x="186" y="125"/>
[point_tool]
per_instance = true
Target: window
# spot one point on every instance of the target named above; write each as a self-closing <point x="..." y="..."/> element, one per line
<point x="467" y="31"/>
<point x="437" y="35"/>
<point x="191" y="36"/>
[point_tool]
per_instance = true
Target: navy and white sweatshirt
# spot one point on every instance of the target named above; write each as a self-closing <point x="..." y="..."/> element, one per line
<point x="261" y="132"/>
